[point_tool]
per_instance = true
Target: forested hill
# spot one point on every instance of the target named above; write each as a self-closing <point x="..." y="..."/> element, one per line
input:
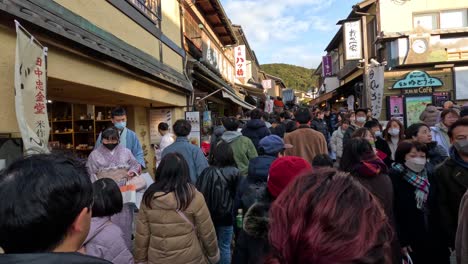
<point x="295" y="77"/>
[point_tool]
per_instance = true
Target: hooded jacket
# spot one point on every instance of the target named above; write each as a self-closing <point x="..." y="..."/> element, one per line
<point x="242" y="148"/>
<point x="253" y="186"/>
<point x="430" y="116"/>
<point x="255" y="129"/>
<point x="252" y="246"/>
<point x="219" y="186"/>
<point x="51" y="258"/>
<point x="164" y="236"/>
<point x="105" y="240"/>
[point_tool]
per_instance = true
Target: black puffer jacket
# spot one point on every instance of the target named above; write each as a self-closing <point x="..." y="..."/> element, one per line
<point x="321" y="126"/>
<point x="219" y="186"/>
<point x="255" y="129"/>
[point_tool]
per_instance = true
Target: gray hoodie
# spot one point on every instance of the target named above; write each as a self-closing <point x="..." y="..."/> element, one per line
<point x="230" y="136"/>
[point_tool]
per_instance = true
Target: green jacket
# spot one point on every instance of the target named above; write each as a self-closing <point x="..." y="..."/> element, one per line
<point x="242" y="148"/>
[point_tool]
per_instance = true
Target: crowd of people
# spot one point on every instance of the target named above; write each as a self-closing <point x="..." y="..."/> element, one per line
<point x="314" y="186"/>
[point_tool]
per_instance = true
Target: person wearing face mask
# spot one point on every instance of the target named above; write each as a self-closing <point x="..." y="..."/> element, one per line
<point x="435" y="153"/>
<point x="393" y="134"/>
<point x="128" y="138"/>
<point x="112" y="160"/>
<point x="360" y="120"/>
<point x="451" y="181"/>
<point x="411" y="187"/>
<point x="440" y="130"/>
<point x="380" y="144"/>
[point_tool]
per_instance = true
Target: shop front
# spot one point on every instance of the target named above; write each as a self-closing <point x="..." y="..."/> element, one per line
<point x="89" y="72"/>
<point x="408" y="92"/>
<point x="346" y="96"/>
<point x="213" y="98"/>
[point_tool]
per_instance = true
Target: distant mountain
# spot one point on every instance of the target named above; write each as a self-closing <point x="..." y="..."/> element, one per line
<point x="295" y="77"/>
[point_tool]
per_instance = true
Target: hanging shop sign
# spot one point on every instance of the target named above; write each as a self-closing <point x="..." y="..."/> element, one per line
<point x="353" y="40"/>
<point x="240" y="60"/>
<point x="417" y="79"/>
<point x="195" y="132"/>
<point x="216" y="60"/>
<point x="420" y="90"/>
<point x="376" y="89"/>
<point x="327" y="69"/>
<point x="268" y="84"/>
<point x="31" y="92"/>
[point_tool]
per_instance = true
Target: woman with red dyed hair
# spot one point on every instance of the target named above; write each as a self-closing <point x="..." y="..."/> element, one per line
<point x="328" y="217"/>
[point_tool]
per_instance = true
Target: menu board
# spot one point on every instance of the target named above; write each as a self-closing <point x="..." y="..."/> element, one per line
<point x="157" y="116"/>
<point x="414" y="107"/>
<point x="194" y="119"/>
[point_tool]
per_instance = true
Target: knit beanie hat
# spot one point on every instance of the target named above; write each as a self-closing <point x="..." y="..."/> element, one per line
<point x="283" y="171"/>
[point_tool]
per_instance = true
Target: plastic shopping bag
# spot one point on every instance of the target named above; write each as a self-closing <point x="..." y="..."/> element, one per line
<point x="407" y="259"/>
<point x="139" y="195"/>
<point x="128" y="193"/>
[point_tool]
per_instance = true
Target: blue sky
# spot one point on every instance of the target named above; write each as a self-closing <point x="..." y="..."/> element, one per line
<point x="288" y="31"/>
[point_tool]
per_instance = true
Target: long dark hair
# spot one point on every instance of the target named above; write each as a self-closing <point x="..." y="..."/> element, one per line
<point x="172" y="175"/>
<point x="223" y="155"/>
<point x="356" y="150"/>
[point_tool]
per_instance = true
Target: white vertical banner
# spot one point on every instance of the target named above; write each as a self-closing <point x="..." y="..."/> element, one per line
<point x="31" y="92"/>
<point x="267" y="84"/>
<point x="353" y="40"/>
<point x="376" y="89"/>
<point x="269" y="104"/>
<point x="241" y="62"/>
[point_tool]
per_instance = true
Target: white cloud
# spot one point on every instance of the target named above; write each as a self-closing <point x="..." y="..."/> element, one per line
<point x="276" y="28"/>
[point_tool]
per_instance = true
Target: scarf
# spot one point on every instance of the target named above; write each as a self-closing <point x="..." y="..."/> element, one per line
<point x="370" y="167"/>
<point x="457" y="159"/>
<point x="420" y="182"/>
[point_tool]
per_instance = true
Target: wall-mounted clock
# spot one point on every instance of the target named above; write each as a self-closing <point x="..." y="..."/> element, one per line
<point x="419" y="46"/>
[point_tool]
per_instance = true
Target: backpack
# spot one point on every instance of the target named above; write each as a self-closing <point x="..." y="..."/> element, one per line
<point x="252" y="194"/>
<point x="218" y="196"/>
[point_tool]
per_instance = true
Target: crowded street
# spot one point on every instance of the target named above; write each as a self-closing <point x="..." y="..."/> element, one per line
<point x="234" y="131"/>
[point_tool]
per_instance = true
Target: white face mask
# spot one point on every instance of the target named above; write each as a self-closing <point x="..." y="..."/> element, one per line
<point x="361" y="119"/>
<point x="378" y="133"/>
<point x="416" y="164"/>
<point x="394" y="132"/>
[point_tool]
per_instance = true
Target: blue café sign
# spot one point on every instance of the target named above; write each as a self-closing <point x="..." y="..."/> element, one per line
<point x="417" y="79"/>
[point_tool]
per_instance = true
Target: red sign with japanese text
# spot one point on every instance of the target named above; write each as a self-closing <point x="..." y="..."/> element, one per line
<point x="240" y="61"/>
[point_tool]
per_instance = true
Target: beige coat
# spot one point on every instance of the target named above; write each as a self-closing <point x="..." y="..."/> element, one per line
<point x="461" y="240"/>
<point x="163" y="236"/>
<point x="307" y="143"/>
